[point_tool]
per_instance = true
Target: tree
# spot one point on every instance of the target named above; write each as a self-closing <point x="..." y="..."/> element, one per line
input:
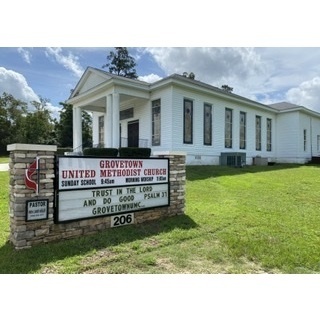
<point x="38" y="124"/>
<point x="121" y="63"/>
<point x="19" y="125"/>
<point x="64" y="127"/>
<point x="12" y="112"/>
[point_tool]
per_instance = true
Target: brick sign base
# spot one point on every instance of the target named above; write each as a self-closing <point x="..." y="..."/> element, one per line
<point x="32" y="213"/>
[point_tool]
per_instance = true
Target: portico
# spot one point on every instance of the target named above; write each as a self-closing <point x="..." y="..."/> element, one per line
<point x="106" y="96"/>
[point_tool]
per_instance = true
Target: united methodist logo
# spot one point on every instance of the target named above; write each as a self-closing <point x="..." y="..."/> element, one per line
<point x="29" y="172"/>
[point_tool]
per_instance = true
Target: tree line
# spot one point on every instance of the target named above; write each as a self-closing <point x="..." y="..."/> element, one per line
<point x="19" y="124"/>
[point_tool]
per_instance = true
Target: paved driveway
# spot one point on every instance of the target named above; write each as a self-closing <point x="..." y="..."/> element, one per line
<point x="4" y="166"/>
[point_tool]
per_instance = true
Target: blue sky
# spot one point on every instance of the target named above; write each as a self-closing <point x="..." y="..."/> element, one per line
<point x="265" y="54"/>
<point x="264" y="74"/>
<point x="52" y="72"/>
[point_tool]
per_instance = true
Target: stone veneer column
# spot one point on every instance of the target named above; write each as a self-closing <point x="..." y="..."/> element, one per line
<point x="177" y="163"/>
<point x="24" y="234"/>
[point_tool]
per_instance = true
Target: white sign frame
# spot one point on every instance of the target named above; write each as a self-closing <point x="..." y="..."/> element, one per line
<point x="148" y="189"/>
<point x="93" y="172"/>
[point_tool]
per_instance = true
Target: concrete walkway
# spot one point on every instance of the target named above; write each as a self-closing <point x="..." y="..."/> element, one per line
<point x="4" y="166"/>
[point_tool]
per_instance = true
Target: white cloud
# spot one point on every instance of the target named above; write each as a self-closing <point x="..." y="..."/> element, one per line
<point x="216" y="66"/>
<point x="266" y="75"/>
<point x="16" y="84"/>
<point x="54" y="110"/>
<point x="26" y="55"/>
<point x="69" y="61"/>
<point x="211" y="64"/>
<point x="307" y="94"/>
<point x="150" y="78"/>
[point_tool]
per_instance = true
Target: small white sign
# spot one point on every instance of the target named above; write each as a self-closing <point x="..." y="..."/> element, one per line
<point x="122" y="220"/>
<point x="37" y="209"/>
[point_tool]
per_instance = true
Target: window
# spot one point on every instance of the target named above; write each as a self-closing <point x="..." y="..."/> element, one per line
<point x="187" y="121"/>
<point x="258" y="133"/>
<point x="304" y="140"/>
<point x="156" y="122"/>
<point x="243" y="124"/>
<point x="228" y="129"/>
<point x="101" y="130"/>
<point x="269" y="134"/>
<point x="318" y="143"/>
<point x="207" y="124"/>
<point x="126" y="114"/>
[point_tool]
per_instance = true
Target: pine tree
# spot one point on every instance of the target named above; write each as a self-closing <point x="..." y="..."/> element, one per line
<point x="121" y="63"/>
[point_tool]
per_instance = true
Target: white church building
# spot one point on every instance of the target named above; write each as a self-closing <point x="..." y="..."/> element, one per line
<point x="210" y="125"/>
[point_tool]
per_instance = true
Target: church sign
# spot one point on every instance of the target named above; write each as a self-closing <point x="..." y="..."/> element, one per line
<point x="90" y="187"/>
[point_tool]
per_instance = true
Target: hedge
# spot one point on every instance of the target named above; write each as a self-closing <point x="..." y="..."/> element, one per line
<point x="103" y="152"/>
<point x="131" y="152"/>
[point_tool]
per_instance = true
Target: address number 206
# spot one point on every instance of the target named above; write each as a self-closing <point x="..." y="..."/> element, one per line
<point x="122" y="220"/>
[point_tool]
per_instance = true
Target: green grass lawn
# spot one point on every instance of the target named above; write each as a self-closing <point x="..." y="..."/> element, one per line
<point x="4" y="159"/>
<point x="238" y="220"/>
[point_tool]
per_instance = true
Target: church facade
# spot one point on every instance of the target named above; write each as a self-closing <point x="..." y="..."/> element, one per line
<point x="210" y="125"/>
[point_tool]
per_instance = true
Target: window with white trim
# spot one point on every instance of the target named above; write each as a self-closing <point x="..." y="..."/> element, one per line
<point x="269" y="134"/>
<point x="207" y="124"/>
<point x="228" y="129"/>
<point x="304" y="140"/>
<point x="243" y="129"/>
<point x="187" y="121"/>
<point x="101" y="130"/>
<point x="258" y="133"/>
<point x="156" y="122"/>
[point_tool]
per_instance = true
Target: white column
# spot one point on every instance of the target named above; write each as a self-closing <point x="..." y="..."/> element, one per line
<point x="115" y="120"/>
<point x="77" y="129"/>
<point x="95" y="128"/>
<point x="108" y="122"/>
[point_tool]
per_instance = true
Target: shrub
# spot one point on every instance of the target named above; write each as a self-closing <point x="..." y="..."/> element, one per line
<point x="132" y="152"/>
<point x="102" y="152"/>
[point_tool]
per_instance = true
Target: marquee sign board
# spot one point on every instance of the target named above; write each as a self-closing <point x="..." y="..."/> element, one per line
<point x="90" y="187"/>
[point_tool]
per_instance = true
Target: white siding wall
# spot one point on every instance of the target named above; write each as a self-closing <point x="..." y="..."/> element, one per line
<point x="287" y="128"/>
<point x="312" y="125"/>
<point x="287" y="137"/>
<point x="140" y="113"/>
<point x="304" y="124"/>
<point x="315" y="133"/>
<point x="290" y="137"/>
<point x="198" y="153"/>
<point x="168" y="122"/>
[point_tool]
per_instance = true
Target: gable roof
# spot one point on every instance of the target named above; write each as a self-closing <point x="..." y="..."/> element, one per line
<point x="284" y="107"/>
<point x="174" y="78"/>
<point x="281" y="106"/>
<point x="208" y="88"/>
<point x="105" y="77"/>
